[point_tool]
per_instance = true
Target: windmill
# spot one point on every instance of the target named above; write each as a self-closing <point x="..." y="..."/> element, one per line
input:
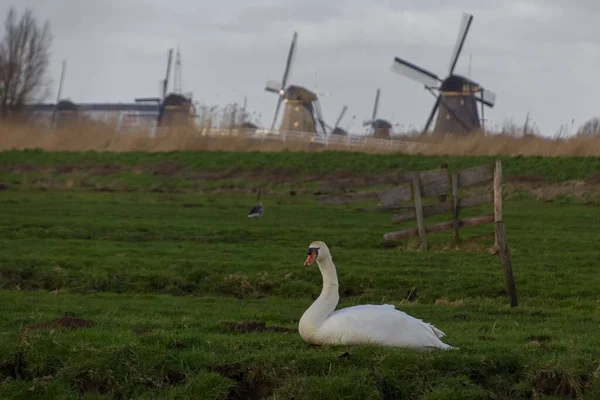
<point x="457" y="94"/>
<point x="336" y="130"/>
<point x="380" y="128"/>
<point x="175" y="107"/>
<point x="302" y="110"/>
<point x="164" y="83"/>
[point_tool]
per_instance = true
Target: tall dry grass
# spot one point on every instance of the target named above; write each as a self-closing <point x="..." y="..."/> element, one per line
<point x="101" y="137"/>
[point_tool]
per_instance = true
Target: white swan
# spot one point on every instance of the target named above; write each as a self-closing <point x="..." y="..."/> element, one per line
<point x="374" y="324"/>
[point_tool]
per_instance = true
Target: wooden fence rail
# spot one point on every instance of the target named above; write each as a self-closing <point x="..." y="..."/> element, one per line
<point x="437" y="183"/>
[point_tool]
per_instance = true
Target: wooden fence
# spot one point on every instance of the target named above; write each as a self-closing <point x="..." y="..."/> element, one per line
<point x="438" y="183"/>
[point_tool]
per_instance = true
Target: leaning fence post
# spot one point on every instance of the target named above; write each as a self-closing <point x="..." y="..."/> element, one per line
<point x="501" y="236"/>
<point x="455" y="209"/>
<point x="416" y="184"/>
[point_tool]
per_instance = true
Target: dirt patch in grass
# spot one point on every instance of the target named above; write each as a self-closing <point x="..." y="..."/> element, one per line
<point x="250" y="327"/>
<point x="250" y="386"/>
<point x="593" y="180"/>
<point x="559" y="384"/>
<point x="539" y="338"/>
<point x="173" y="378"/>
<point x="67" y="321"/>
<point x="142" y="331"/>
<point x="14" y="368"/>
<point x="166" y="168"/>
<point x="85" y="384"/>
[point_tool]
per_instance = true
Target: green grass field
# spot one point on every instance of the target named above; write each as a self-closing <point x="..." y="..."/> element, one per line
<point x="152" y="258"/>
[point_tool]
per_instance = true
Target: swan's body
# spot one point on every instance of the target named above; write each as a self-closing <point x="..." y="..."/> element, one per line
<point x="363" y="324"/>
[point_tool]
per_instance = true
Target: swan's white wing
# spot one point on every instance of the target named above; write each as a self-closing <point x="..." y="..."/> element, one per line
<point x="381" y="324"/>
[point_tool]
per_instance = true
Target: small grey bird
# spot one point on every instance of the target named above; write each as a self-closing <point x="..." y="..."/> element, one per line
<point x="258" y="210"/>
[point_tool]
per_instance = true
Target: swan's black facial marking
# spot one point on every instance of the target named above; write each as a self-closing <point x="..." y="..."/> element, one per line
<point x="312" y="254"/>
<point x="313" y="249"/>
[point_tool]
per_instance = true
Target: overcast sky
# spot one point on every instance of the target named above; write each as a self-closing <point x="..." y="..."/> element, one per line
<point x="539" y="56"/>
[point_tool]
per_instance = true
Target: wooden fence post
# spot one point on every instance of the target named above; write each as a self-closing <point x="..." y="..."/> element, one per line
<point x="443" y="196"/>
<point x="416" y="185"/>
<point x="455" y="210"/>
<point x="501" y="236"/>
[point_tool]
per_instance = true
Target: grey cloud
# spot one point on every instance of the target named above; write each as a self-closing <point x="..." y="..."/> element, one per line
<point x="527" y="51"/>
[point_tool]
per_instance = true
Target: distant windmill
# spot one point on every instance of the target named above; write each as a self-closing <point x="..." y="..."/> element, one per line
<point x="380" y="128"/>
<point x="336" y="129"/>
<point x="458" y="95"/>
<point x="302" y="111"/>
<point x="175" y="107"/>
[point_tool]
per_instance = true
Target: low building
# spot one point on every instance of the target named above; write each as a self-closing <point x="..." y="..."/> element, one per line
<point x="124" y="115"/>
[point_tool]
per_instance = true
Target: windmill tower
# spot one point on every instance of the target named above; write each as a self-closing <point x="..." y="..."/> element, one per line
<point x="457" y="95"/>
<point x="302" y="111"/>
<point x="380" y="128"/>
<point x="298" y="112"/>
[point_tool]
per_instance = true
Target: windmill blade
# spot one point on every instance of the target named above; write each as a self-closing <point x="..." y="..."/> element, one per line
<point x="166" y="81"/>
<point x="320" y="116"/>
<point x="147" y="99"/>
<point x="279" y="100"/>
<point x="465" y="24"/>
<point x="273" y="86"/>
<point x="290" y="59"/>
<point x="487" y="97"/>
<point x="286" y="73"/>
<point x="340" y="117"/>
<point x="62" y="80"/>
<point x="410" y="70"/>
<point x="433" y="111"/>
<point x="376" y="105"/>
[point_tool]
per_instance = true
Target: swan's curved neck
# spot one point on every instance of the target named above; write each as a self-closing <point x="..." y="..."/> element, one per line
<point x="325" y="304"/>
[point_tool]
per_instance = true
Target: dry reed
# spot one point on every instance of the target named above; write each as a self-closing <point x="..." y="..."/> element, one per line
<point x="100" y="137"/>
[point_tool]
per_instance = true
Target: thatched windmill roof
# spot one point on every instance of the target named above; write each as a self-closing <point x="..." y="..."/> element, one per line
<point x="66" y="105"/>
<point x="299" y="93"/>
<point x="381" y="124"/>
<point x="248" y="125"/>
<point x="339" y="131"/>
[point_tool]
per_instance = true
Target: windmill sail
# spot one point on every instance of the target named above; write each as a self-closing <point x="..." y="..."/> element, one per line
<point x="319" y="115"/>
<point x="273" y="86"/>
<point x="168" y="74"/>
<point x="465" y="24"/>
<point x="487" y="97"/>
<point x="414" y="72"/>
<point x="337" y="122"/>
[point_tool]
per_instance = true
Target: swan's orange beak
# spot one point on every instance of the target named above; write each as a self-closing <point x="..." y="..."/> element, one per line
<point x="312" y="256"/>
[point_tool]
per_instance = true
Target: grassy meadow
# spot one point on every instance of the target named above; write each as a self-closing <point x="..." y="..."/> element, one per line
<point x="137" y="275"/>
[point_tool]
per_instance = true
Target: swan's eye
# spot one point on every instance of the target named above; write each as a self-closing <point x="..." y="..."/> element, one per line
<point x="313" y="250"/>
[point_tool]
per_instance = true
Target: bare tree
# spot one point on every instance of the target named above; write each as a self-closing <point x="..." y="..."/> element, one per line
<point x="24" y="56"/>
<point x="590" y="128"/>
